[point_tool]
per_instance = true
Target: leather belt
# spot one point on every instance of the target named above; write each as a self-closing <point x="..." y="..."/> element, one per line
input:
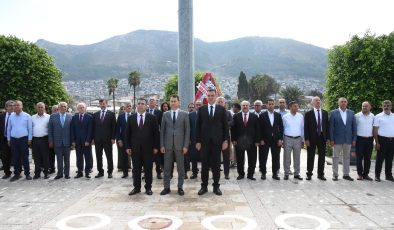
<point x="293" y="137"/>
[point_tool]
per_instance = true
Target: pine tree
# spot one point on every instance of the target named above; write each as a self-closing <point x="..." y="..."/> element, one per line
<point x="243" y="87"/>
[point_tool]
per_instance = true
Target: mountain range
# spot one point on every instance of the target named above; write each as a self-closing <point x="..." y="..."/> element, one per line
<point x="156" y="52"/>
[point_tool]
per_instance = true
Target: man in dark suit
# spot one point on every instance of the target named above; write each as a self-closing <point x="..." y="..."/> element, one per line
<point x="104" y="125"/>
<point x="245" y="135"/>
<point x="5" y="149"/>
<point x="52" y="154"/>
<point x="159" y="158"/>
<point x="194" y="154"/>
<point x="121" y="125"/>
<point x="272" y="138"/>
<point x="226" y="153"/>
<point x="142" y="142"/>
<point x="316" y="135"/>
<point x="81" y="137"/>
<point x="212" y="135"/>
<point x="59" y="137"/>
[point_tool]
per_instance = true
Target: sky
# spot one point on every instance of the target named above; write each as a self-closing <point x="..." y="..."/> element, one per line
<point x="323" y="23"/>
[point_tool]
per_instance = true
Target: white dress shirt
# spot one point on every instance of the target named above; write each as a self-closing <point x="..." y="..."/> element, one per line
<point x="343" y="115"/>
<point x="247" y="116"/>
<point x="271" y="117"/>
<point x="139" y="117"/>
<point x="364" y="124"/>
<point x="321" y="118"/>
<point x="40" y="125"/>
<point x="293" y="125"/>
<point x="213" y="109"/>
<point x="385" y="123"/>
<point x="176" y="114"/>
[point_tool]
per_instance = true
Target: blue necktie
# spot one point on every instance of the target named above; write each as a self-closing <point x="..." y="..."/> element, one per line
<point x="62" y="119"/>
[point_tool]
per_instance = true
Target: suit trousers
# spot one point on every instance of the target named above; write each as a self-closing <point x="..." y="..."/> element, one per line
<point x="83" y="154"/>
<point x="52" y="156"/>
<point x="226" y="160"/>
<point x="169" y="157"/>
<point x="20" y="154"/>
<point x="63" y="157"/>
<point x="107" y="146"/>
<point x="194" y="157"/>
<point x="385" y="154"/>
<point x="210" y="158"/>
<point x="158" y="159"/>
<point x="6" y="157"/>
<point x="321" y="151"/>
<point x="343" y="151"/>
<point x="275" y="156"/>
<point x="123" y="160"/>
<point x="142" y="159"/>
<point x="364" y="148"/>
<point x="292" y="145"/>
<point x="252" y="158"/>
<point x="41" y="154"/>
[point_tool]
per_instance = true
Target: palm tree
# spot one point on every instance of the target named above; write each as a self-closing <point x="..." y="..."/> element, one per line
<point x="112" y="84"/>
<point x="134" y="81"/>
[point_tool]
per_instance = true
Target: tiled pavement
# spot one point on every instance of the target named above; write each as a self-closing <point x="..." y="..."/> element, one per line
<point x="40" y="204"/>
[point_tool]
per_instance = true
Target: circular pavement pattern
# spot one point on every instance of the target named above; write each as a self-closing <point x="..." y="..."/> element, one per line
<point x="153" y="222"/>
<point x="103" y="222"/>
<point x="208" y="222"/>
<point x="280" y="221"/>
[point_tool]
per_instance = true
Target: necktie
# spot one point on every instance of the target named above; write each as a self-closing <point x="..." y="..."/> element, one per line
<point x="6" y="124"/>
<point x="141" y="124"/>
<point x="102" y="116"/>
<point x="211" y="111"/>
<point x="318" y="123"/>
<point x="62" y="119"/>
<point x="174" y="118"/>
<point x="151" y="111"/>
<point x="80" y="118"/>
<point x="245" y="119"/>
<point x="127" y="116"/>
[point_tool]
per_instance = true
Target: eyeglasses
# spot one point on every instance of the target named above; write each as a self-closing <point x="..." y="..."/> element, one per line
<point x="140" y="103"/>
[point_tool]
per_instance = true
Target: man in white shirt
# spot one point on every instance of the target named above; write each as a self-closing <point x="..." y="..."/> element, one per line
<point x="384" y="139"/>
<point x="293" y="124"/>
<point x="40" y="144"/>
<point x="364" y="142"/>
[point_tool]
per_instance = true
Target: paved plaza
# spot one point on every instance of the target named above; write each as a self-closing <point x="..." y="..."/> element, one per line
<point x="41" y="204"/>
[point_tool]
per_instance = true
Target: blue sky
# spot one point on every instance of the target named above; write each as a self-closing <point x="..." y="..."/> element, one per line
<point x="320" y="22"/>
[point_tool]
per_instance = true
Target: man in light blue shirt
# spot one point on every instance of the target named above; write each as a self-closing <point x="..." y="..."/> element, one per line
<point x="19" y="136"/>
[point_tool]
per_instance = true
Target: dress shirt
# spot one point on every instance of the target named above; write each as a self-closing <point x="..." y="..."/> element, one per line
<point x="126" y="115"/>
<point x="385" y="123"/>
<point x="293" y="125"/>
<point x="40" y="125"/>
<point x="364" y="124"/>
<point x="247" y="116"/>
<point x="139" y="117"/>
<point x="343" y="115"/>
<point x="176" y="114"/>
<point x="321" y="118"/>
<point x="19" y="126"/>
<point x="283" y="112"/>
<point x="258" y="114"/>
<point x="151" y="111"/>
<point x="213" y="109"/>
<point x="271" y="117"/>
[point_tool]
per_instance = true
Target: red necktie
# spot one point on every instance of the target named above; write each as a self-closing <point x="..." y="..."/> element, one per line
<point x="245" y="119"/>
<point x="141" y="124"/>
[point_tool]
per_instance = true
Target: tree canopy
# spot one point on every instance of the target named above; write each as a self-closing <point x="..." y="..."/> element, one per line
<point x="171" y="86"/>
<point x="361" y="70"/>
<point x="292" y="93"/>
<point x="261" y="87"/>
<point x="243" y="87"/>
<point x="28" y="73"/>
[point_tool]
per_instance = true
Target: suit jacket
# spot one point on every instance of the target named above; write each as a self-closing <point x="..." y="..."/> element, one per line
<point x="215" y="128"/>
<point x="192" y="120"/>
<point x="121" y="125"/>
<point x="339" y="132"/>
<point x="158" y="114"/>
<point x="2" y="124"/>
<point x="104" y="131"/>
<point x="57" y="135"/>
<point x="271" y="132"/>
<point x="175" y="136"/>
<point x="82" y="132"/>
<point x="145" y="139"/>
<point x="310" y="126"/>
<point x="245" y="136"/>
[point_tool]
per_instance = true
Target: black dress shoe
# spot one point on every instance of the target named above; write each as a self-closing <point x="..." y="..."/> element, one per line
<point x="58" y="177"/>
<point x="125" y="175"/>
<point x="263" y="177"/>
<point x="99" y="175"/>
<point x="251" y="178"/>
<point x="390" y="179"/>
<point x="348" y="178"/>
<point x="46" y="177"/>
<point x="15" y="177"/>
<point x="134" y="191"/>
<point x="159" y="176"/>
<point x="298" y="177"/>
<point x="67" y="177"/>
<point x="181" y="192"/>
<point x="335" y="178"/>
<point x="308" y="178"/>
<point x="217" y="191"/>
<point x="165" y="191"/>
<point x="87" y="175"/>
<point x="148" y="192"/>
<point x="286" y="177"/>
<point x="227" y="177"/>
<point x="194" y="176"/>
<point x="109" y="175"/>
<point x="79" y="175"/>
<point x="366" y="177"/>
<point x="28" y="177"/>
<point x="322" y="178"/>
<point x="186" y="177"/>
<point x="6" y="176"/>
<point x="377" y="178"/>
<point x="240" y="177"/>
<point x="275" y="177"/>
<point x="202" y="191"/>
<point x="36" y="177"/>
